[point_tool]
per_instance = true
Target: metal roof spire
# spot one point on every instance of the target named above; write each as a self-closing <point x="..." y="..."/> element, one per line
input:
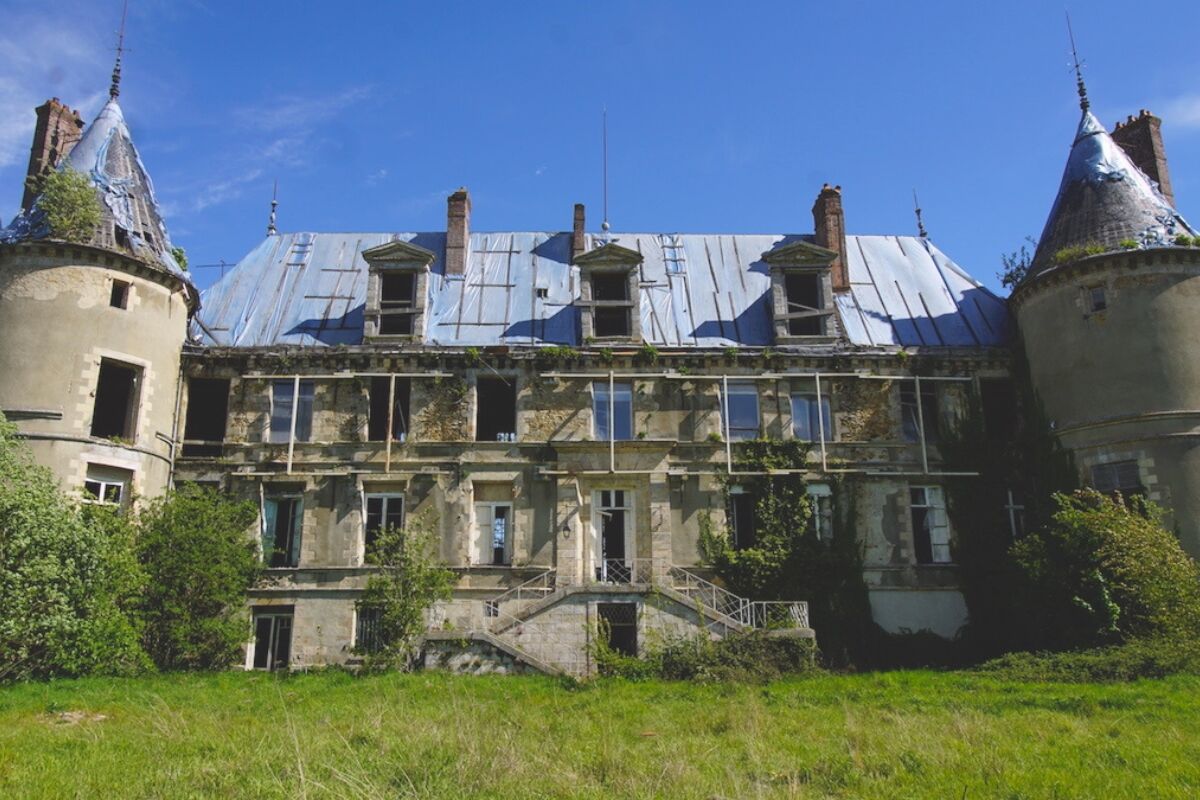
<point x="924" y="234"/>
<point x="1079" y="85"/>
<point x="604" y="226"/>
<point x="274" y="205"/>
<point x="115" y="88"/>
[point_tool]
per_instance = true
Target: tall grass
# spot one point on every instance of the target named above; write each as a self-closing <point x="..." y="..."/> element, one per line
<point x="908" y="734"/>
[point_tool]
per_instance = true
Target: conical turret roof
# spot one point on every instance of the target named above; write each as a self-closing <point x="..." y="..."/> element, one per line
<point x="131" y="220"/>
<point x="1104" y="199"/>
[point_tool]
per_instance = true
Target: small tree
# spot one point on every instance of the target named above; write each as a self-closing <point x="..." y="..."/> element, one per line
<point x="1016" y="265"/>
<point x="180" y="256"/>
<point x="1106" y="570"/>
<point x="200" y="561"/>
<point x="68" y="200"/>
<point x="409" y="582"/>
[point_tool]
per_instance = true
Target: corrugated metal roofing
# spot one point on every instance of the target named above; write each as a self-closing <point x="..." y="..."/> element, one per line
<point x="697" y="290"/>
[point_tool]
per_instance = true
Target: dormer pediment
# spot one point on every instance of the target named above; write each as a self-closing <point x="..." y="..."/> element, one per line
<point x="609" y="256"/>
<point x="398" y="255"/>
<point x="799" y="254"/>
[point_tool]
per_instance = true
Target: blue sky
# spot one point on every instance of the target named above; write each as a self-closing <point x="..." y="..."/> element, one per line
<point x="723" y="117"/>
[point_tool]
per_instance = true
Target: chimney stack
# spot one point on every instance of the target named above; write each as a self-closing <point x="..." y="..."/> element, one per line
<point x="829" y="223"/>
<point x="577" y="237"/>
<point x="458" y="231"/>
<point x="1141" y="139"/>
<point x="58" y="129"/>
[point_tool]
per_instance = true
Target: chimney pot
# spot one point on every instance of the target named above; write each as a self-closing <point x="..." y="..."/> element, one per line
<point x="829" y="223"/>
<point x="1141" y="139"/>
<point x="577" y="236"/>
<point x="458" y="231"/>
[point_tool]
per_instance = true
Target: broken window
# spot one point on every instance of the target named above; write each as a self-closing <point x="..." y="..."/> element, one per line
<point x="740" y="410"/>
<point x="618" y="627"/>
<point x="611" y="313"/>
<point x="1118" y="476"/>
<point x="912" y="418"/>
<point x="931" y="527"/>
<point x="207" y="413"/>
<point x="805" y="295"/>
<point x="496" y="410"/>
<point x="377" y="421"/>
<point x="820" y="504"/>
<point x="114" y="415"/>
<point x="291" y="401"/>
<point x="397" y="303"/>
<point x="613" y="411"/>
<point x="119" y="296"/>
<point x="107" y="486"/>
<point x="493" y="534"/>
<point x="272" y="640"/>
<point x="281" y="525"/>
<point x="741" y="518"/>
<point x="367" y="624"/>
<point x="383" y="511"/>
<point x="810" y="418"/>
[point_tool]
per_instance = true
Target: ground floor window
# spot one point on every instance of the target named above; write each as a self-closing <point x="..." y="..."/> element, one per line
<point x="931" y="528"/>
<point x="1118" y="476"/>
<point x="383" y="511"/>
<point x="618" y="627"/>
<point x="493" y="534"/>
<point x="366" y="629"/>
<point x="272" y="640"/>
<point x="741" y="518"/>
<point x="108" y="486"/>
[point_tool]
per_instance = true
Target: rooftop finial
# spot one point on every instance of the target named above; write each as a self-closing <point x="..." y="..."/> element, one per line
<point x="924" y="234"/>
<point x="274" y="205"/>
<point x="604" y="226"/>
<point x="1083" y="98"/>
<point x="115" y="88"/>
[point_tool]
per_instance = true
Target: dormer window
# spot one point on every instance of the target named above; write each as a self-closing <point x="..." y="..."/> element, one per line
<point x="396" y="290"/>
<point x="609" y="293"/>
<point x="802" y="293"/>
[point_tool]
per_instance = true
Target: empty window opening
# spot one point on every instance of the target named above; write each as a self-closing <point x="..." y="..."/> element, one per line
<point x="613" y="535"/>
<point x="119" y="296"/>
<point x="1122" y="477"/>
<point x="618" y="627"/>
<point x="542" y="293"/>
<point x="613" y="411"/>
<point x="115" y="413"/>
<point x="804" y="296"/>
<point x="998" y="398"/>
<point x="207" y="414"/>
<point x="611" y="287"/>
<point x="912" y="418"/>
<point x="289" y="399"/>
<point x="377" y="424"/>
<point x="397" y="303"/>
<point x="811" y="419"/>
<point x="383" y="511"/>
<point x="741" y="518"/>
<point x="496" y="410"/>
<point x="931" y="528"/>
<point x="107" y="486"/>
<point x="610" y="321"/>
<point x="120" y="236"/>
<point x="1097" y="298"/>
<point x="820" y="505"/>
<point x="491" y="608"/>
<point x="272" y="640"/>
<point x="740" y="410"/>
<point x="367" y="633"/>
<point x="282" y="521"/>
<point x="493" y="534"/>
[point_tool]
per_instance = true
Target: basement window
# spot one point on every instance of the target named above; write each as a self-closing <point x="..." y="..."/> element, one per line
<point x="397" y="303"/>
<point x="119" y="296"/>
<point x="282" y="521"/>
<point x="805" y="296"/>
<point x="383" y="511"/>
<point x="377" y="422"/>
<point x="106" y="486"/>
<point x="618" y="627"/>
<point x="114" y="415"/>
<point x="931" y="527"/>
<point x="612" y="412"/>
<point x="272" y="640"/>
<point x="367" y="633"/>
<point x="496" y="410"/>
<point x="741" y="518"/>
<point x="207" y="413"/>
<point x="912" y="418"/>
<point x="740" y="410"/>
<point x="1118" y="477"/>
<point x="291" y="401"/>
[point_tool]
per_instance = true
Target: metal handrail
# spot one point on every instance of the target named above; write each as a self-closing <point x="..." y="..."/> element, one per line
<point x="778" y="614"/>
<point x="538" y="586"/>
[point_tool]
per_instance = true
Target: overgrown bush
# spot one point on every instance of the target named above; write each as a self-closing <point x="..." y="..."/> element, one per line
<point x="750" y="657"/>
<point x="1105" y="571"/>
<point x="68" y="200"/>
<point x="199" y="561"/>
<point x="1152" y="657"/>
<point x="68" y="578"/>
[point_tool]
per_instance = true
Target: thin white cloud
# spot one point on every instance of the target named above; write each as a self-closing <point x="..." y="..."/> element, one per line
<point x="1184" y="112"/>
<point x="376" y="177"/>
<point x="220" y="191"/>
<point x="294" y="113"/>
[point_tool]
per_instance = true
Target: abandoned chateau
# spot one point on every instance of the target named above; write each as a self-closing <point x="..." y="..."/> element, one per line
<point x="568" y="407"/>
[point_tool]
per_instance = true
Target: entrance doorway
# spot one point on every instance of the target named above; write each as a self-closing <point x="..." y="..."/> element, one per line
<point x="272" y="640"/>
<point x="613" y="526"/>
<point x="618" y="627"/>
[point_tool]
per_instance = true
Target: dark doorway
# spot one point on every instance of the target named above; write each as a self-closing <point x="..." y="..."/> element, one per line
<point x="612" y="513"/>
<point x="116" y="401"/>
<point x="207" y="411"/>
<point x="272" y="641"/>
<point x="618" y="624"/>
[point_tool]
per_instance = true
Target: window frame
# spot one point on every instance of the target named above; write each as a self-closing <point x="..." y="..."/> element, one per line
<point x="252" y="653"/>
<point x="610" y="389"/>
<point x="510" y="385"/>
<point x="923" y="412"/>
<point x="738" y="496"/>
<point x="936" y="518"/>
<point x="403" y="310"/>
<point x="820" y="522"/>
<point x="480" y="543"/>
<point x="133" y="402"/>
<point x="387" y="499"/>
<point x="819" y="403"/>
<point x="293" y="552"/>
<point x="744" y="389"/>
<point x="300" y="424"/>
<point x="800" y="314"/>
<point x="399" y="420"/>
<point x="119" y="293"/>
<point x="1118" y="470"/>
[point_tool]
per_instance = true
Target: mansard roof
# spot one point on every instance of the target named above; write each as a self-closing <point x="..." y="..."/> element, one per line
<point x="1104" y="199"/>
<point x="107" y="156"/>
<point x="520" y="289"/>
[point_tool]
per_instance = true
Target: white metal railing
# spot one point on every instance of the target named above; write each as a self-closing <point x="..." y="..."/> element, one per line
<point x="536" y="588"/>
<point x="722" y="601"/>
<point x="778" y="614"/>
<point x="629" y="570"/>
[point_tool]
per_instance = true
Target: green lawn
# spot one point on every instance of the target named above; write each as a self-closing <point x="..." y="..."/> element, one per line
<point x="904" y="734"/>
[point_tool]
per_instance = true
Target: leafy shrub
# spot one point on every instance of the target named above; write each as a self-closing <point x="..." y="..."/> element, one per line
<point x="68" y="200"/>
<point x="1153" y="657"/>
<point x="1068" y="254"/>
<point x="1129" y="244"/>
<point x="1183" y="240"/>
<point x="751" y="657"/>
<point x="194" y="547"/>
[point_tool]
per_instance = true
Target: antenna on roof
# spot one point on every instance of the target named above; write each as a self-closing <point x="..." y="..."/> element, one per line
<point x="115" y="88"/>
<point x="924" y="234"/>
<point x="604" y="226"/>
<point x="1083" y="98"/>
<point x="274" y="205"/>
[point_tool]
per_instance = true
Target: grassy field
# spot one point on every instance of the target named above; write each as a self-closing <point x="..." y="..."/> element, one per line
<point x="905" y="734"/>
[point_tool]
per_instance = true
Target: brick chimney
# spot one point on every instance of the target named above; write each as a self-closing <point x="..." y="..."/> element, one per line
<point x="58" y="129"/>
<point x="458" y="232"/>
<point x="577" y="237"/>
<point x="1141" y="139"/>
<point x="829" y="223"/>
